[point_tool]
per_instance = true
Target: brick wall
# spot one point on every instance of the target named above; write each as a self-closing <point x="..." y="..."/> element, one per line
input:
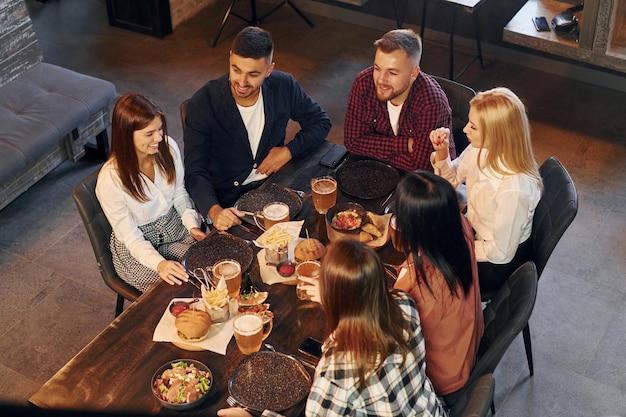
<point x="182" y="10"/>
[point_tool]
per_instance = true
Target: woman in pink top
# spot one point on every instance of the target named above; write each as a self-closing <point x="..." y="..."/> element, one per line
<point x="441" y="275"/>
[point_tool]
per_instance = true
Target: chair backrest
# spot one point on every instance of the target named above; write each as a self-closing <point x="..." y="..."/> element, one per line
<point x="183" y="112"/>
<point x="554" y="213"/>
<point x="505" y="316"/>
<point x="459" y="96"/>
<point x="99" y="231"/>
<point x="477" y="399"/>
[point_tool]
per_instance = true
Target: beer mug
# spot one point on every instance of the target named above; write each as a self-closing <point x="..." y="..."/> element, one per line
<point x="230" y="271"/>
<point x="274" y="212"/>
<point x="250" y="330"/>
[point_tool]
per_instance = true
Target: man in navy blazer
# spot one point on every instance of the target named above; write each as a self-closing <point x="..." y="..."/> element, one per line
<point x="235" y="128"/>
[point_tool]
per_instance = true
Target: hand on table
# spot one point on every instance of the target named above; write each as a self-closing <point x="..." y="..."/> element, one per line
<point x="275" y="159"/>
<point x="172" y="272"/>
<point x="224" y="218"/>
<point x="233" y="412"/>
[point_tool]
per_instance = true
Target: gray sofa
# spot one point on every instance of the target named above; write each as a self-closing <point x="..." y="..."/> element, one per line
<point x="47" y="113"/>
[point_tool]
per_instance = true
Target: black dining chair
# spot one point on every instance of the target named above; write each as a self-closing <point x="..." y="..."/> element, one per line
<point x="477" y="399"/>
<point x="554" y="213"/>
<point x="459" y="96"/>
<point x="99" y="231"/>
<point x="505" y="316"/>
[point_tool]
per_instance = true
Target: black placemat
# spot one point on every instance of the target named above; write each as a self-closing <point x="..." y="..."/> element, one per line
<point x="366" y="178"/>
<point x="269" y="381"/>
<point x="207" y="252"/>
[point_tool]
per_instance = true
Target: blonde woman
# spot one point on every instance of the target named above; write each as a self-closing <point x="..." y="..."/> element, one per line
<point x="502" y="178"/>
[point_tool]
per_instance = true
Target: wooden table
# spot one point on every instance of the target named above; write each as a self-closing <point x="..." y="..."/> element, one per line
<point x="113" y="372"/>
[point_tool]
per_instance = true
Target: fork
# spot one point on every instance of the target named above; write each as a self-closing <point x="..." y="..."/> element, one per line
<point x="233" y="403"/>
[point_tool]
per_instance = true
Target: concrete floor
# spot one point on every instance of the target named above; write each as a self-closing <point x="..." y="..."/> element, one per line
<point x="53" y="301"/>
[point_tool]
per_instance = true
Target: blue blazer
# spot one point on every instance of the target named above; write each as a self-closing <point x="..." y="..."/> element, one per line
<point x="218" y="157"/>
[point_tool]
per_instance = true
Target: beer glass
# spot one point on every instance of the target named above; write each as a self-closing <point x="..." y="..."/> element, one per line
<point x="309" y="269"/>
<point x="274" y="212"/>
<point x="250" y="330"/>
<point x="324" y="193"/>
<point x="395" y="234"/>
<point x="230" y="271"/>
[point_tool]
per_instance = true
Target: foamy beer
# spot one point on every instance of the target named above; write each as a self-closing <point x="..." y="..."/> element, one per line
<point x="230" y="271"/>
<point x="324" y="192"/>
<point x="395" y="234"/>
<point x="275" y="212"/>
<point x="250" y="331"/>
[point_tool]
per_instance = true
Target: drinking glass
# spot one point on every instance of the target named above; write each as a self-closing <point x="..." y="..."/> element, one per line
<point x="274" y="212"/>
<point x="308" y="269"/>
<point x="250" y="330"/>
<point x="396" y="239"/>
<point x="230" y="271"/>
<point x="324" y="193"/>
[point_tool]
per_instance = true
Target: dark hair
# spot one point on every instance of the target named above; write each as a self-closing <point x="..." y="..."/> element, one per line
<point x="404" y="39"/>
<point x="134" y="112"/>
<point x="253" y="42"/>
<point x="365" y="320"/>
<point x="429" y="220"/>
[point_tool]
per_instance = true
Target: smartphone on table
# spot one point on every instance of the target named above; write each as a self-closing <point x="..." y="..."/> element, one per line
<point x="311" y="347"/>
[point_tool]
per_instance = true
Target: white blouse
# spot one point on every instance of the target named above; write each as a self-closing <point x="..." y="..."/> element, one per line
<point x="125" y="213"/>
<point x="500" y="208"/>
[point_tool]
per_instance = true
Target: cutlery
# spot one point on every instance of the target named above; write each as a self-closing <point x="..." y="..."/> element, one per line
<point x="388" y="198"/>
<point x="233" y="403"/>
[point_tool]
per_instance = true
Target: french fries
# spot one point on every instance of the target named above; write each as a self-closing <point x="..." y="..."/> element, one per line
<point x="274" y="238"/>
<point x="216" y="298"/>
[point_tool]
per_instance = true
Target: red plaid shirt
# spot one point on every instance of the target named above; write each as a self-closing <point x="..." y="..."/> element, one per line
<point x="367" y="130"/>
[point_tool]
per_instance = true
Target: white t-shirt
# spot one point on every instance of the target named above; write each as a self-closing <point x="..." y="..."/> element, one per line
<point x="394" y="115"/>
<point x="254" y="120"/>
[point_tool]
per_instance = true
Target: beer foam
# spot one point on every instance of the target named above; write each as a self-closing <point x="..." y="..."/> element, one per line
<point x="248" y="324"/>
<point x="276" y="211"/>
<point x="227" y="269"/>
<point x="324" y="187"/>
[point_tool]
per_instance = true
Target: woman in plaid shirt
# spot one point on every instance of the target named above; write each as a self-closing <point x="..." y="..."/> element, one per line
<point x="373" y="357"/>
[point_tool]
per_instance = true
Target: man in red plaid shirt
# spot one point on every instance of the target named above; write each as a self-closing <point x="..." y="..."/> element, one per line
<point x="393" y="106"/>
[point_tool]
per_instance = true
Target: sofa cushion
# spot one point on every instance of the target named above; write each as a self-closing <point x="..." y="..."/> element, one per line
<point x="42" y="106"/>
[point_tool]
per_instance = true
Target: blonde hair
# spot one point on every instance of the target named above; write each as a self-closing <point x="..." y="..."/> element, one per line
<point x="502" y="119"/>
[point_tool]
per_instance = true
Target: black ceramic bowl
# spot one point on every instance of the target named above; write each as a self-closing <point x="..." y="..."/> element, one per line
<point x="356" y="207"/>
<point x="181" y="406"/>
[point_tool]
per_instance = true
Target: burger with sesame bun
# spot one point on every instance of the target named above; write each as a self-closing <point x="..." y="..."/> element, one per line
<point x="193" y="325"/>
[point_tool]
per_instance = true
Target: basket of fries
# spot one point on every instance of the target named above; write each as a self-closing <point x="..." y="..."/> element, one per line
<point x="216" y="303"/>
<point x="276" y="240"/>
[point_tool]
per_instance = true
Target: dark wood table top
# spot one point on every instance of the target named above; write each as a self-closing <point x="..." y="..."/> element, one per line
<point x="113" y="372"/>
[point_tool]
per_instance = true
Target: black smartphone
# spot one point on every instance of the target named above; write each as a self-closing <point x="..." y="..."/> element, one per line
<point x="311" y="347"/>
<point x="541" y="24"/>
<point x="334" y="156"/>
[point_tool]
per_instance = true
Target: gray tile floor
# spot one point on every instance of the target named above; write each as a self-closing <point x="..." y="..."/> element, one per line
<point x="53" y="301"/>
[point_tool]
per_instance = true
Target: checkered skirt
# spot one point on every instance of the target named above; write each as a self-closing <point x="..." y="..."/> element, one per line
<point x="167" y="234"/>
